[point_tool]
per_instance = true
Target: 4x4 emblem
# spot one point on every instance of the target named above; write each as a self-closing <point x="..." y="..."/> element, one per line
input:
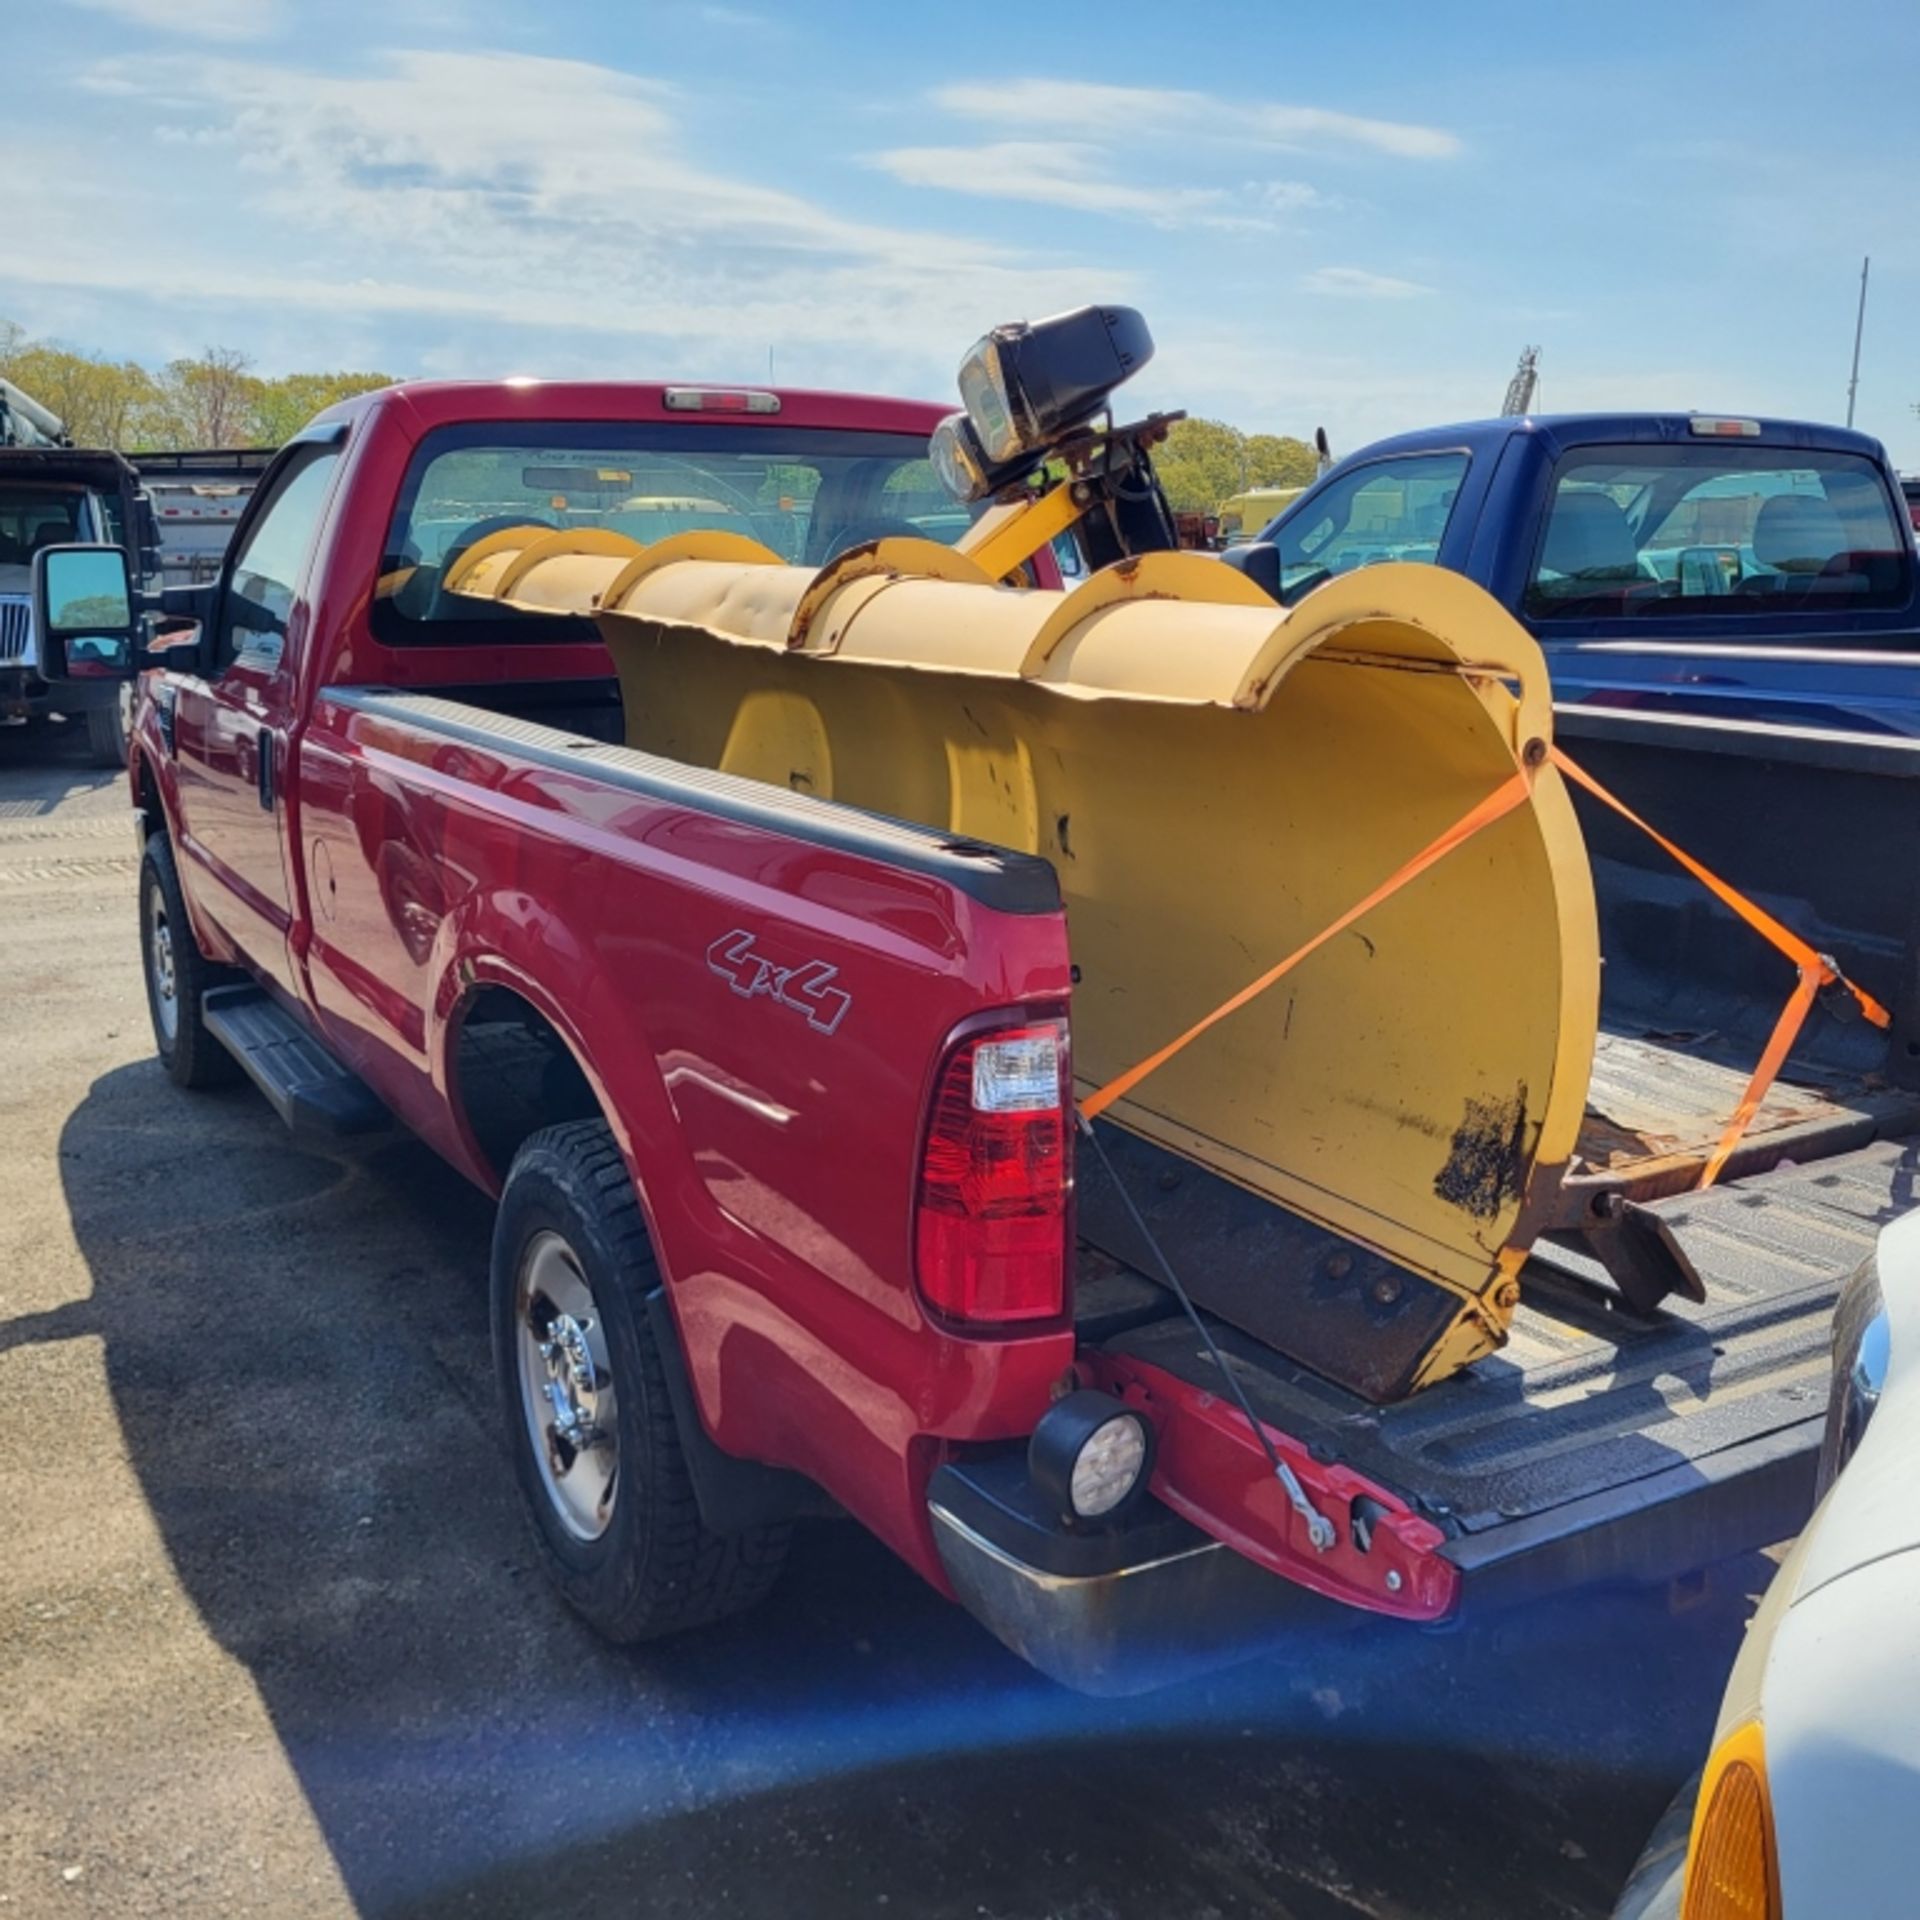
<point x="806" y="986"/>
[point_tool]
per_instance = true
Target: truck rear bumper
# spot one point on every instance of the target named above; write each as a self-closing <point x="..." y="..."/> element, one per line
<point x="1118" y="1611"/>
<point x="24" y="693"/>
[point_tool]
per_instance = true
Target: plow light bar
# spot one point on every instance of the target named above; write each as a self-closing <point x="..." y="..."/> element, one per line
<point x="1026" y="385"/>
<point x="1090" y="1456"/>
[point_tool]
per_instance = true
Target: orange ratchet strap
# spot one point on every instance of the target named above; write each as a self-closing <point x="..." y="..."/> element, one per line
<point x="1817" y="970"/>
<point x="1499" y="803"/>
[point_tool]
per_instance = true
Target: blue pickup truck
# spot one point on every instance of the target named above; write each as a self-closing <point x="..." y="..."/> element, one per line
<point x="1732" y="615"/>
<point x="1747" y="570"/>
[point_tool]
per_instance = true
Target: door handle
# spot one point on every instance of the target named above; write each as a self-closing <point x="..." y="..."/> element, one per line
<point x="266" y="768"/>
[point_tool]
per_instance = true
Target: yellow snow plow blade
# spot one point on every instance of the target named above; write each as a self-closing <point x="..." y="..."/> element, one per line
<point x="1215" y="779"/>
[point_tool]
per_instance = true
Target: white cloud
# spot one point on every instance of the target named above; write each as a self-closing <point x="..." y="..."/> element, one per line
<point x="553" y="195"/>
<point x="1074" y="175"/>
<point x="1288" y="196"/>
<point x="1086" y="109"/>
<point x="1356" y="283"/>
<point x="202" y="19"/>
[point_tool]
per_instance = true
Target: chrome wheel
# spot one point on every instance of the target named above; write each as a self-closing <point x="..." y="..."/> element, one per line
<point x="162" y="983"/>
<point x="566" y="1386"/>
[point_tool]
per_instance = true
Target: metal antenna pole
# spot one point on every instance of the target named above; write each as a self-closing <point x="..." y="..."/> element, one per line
<point x="1859" y="327"/>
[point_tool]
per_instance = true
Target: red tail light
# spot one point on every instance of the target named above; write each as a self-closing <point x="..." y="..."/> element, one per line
<point x="990" y="1225"/>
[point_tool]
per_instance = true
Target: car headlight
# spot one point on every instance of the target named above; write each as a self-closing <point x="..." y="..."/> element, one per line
<point x="1733" y="1870"/>
<point x="1861" y="1348"/>
<point x="1090" y="1457"/>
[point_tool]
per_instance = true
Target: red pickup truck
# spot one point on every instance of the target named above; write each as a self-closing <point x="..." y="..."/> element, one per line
<point x="776" y="1100"/>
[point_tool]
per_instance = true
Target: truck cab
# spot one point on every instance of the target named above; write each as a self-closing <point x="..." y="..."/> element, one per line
<point x="1682" y="564"/>
<point x="54" y="494"/>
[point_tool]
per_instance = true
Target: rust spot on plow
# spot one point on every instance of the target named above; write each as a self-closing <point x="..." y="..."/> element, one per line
<point x="1487" y="1162"/>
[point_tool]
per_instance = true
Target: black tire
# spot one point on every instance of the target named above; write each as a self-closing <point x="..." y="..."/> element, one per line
<point x="656" y="1569"/>
<point x="107" y="733"/>
<point x="190" y="1054"/>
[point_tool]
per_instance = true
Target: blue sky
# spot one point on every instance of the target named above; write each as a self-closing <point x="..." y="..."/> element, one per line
<point x="1353" y="216"/>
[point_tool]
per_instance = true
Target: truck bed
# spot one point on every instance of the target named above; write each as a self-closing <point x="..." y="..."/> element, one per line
<point x="1659" y="1101"/>
<point x="1597" y="1444"/>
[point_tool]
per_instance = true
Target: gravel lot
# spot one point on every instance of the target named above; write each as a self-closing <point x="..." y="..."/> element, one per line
<point x="272" y="1640"/>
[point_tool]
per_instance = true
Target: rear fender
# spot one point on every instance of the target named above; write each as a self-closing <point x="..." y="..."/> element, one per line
<point x="483" y="944"/>
<point x="786" y="1259"/>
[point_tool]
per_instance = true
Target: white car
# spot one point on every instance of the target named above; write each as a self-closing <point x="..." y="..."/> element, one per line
<point x="1809" y="1807"/>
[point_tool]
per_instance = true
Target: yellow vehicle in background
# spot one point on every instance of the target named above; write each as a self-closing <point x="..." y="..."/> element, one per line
<point x="1242" y="517"/>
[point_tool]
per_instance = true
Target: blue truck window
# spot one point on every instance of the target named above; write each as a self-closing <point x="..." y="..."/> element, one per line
<point x="1714" y="529"/>
<point x="1386" y="510"/>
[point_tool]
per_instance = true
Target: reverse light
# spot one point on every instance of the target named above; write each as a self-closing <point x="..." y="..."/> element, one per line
<point x="720" y="400"/>
<point x="1089" y="1457"/>
<point x="1732" y="1871"/>
<point x="990" y="1221"/>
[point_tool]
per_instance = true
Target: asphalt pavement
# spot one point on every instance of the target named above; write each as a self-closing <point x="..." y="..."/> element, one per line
<point x="273" y="1641"/>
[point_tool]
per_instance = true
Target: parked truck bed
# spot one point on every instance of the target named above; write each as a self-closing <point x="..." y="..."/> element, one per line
<point x="1598" y="1444"/>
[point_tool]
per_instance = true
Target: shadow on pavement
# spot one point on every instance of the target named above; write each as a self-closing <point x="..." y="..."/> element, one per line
<point x="296" y="1347"/>
<point x="45" y="762"/>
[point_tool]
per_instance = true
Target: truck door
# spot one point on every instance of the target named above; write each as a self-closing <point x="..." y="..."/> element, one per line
<point x="230" y="729"/>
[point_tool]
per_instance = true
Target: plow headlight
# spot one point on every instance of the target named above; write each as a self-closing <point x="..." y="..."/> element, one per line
<point x="1027" y="384"/>
<point x="959" y="463"/>
<point x="1090" y="1457"/>
<point x="989" y="401"/>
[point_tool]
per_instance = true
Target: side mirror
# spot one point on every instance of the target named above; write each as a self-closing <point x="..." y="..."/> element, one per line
<point x="1259" y="560"/>
<point x="83" y="612"/>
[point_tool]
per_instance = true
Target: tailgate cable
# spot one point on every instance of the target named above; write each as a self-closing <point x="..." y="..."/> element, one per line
<point x="1320" y="1530"/>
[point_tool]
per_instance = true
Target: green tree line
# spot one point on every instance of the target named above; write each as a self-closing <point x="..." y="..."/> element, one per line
<point x="217" y="400"/>
<point x="212" y="400"/>
<point x="1204" y="463"/>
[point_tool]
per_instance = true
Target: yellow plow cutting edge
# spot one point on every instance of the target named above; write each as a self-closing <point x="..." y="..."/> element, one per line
<point x="1215" y="779"/>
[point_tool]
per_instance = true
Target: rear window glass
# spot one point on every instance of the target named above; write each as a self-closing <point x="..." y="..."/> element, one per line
<point x="806" y="494"/>
<point x="1717" y="529"/>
